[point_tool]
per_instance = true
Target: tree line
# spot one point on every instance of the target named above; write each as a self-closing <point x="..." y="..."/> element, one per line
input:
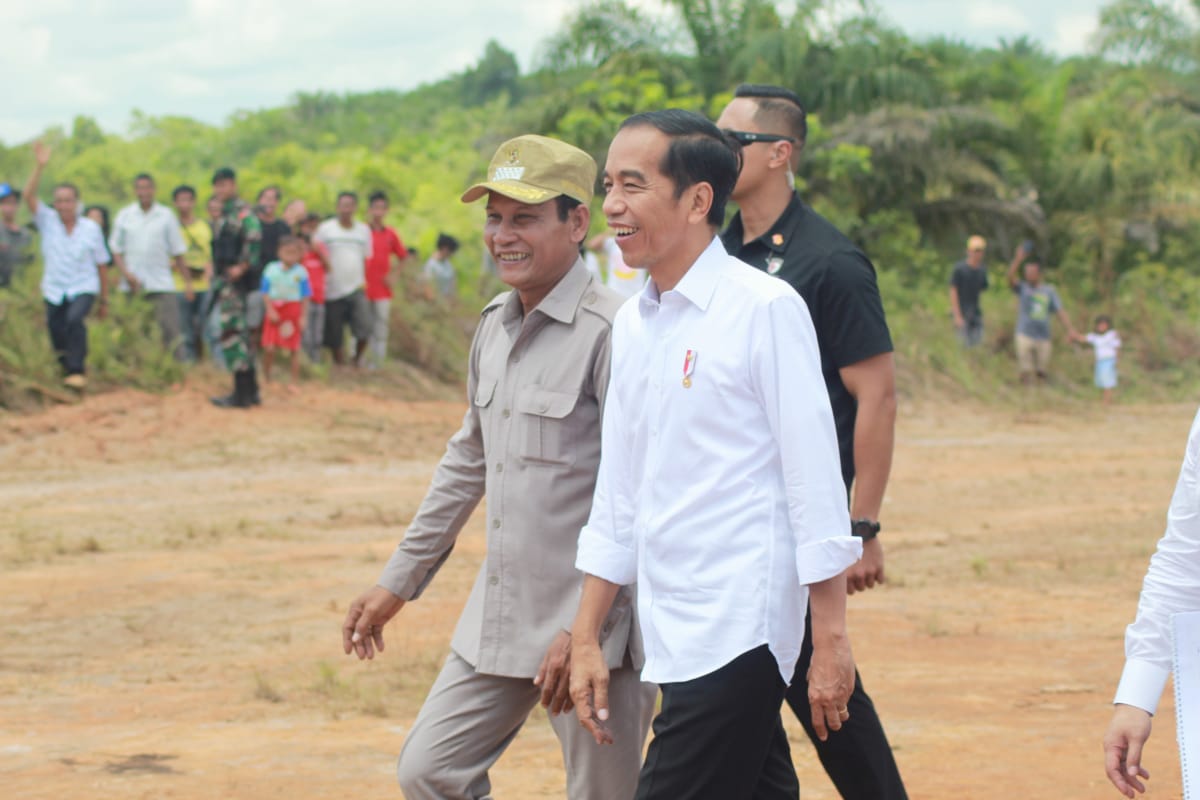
<point x="914" y="143"/>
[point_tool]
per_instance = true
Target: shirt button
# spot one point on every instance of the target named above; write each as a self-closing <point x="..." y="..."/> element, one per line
<point x="496" y="522"/>
<point x="505" y="413"/>
<point x="493" y="580"/>
<point x="499" y="468"/>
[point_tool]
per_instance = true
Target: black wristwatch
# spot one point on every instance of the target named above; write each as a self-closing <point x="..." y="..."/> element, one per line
<point x="865" y="529"/>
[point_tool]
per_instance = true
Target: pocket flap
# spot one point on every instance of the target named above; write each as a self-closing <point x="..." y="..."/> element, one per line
<point x="546" y="403"/>
<point x="484" y="392"/>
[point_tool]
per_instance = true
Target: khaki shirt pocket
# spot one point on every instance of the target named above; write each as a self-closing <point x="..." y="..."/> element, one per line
<point x="545" y="433"/>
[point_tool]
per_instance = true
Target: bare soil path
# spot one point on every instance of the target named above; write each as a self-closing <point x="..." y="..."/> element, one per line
<point x="173" y="579"/>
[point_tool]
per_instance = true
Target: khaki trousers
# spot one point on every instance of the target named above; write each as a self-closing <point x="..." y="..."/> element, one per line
<point x="469" y="719"/>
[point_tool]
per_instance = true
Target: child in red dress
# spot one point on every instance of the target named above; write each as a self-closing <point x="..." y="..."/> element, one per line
<point x="286" y="292"/>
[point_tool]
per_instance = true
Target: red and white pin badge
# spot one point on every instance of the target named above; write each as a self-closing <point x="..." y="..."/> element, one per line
<point x="689" y="366"/>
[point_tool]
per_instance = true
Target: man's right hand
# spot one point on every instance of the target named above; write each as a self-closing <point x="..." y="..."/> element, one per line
<point x="589" y="689"/>
<point x="554" y="675"/>
<point x="41" y="153"/>
<point x="362" y="631"/>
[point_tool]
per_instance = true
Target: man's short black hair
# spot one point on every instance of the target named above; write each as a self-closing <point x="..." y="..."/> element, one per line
<point x="224" y="174"/>
<point x="778" y="107"/>
<point x="1105" y="319"/>
<point x="698" y="153"/>
<point x="378" y="194"/>
<point x="565" y="204"/>
<point x="143" y="176"/>
<point x="447" y="242"/>
<point x="74" y="190"/>
<point x="183" y="189"/>
<point x="270" y="188"/>
<point x="347" y="193"/>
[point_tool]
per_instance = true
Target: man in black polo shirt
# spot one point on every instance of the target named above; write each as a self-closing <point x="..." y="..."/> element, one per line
<point x="774" y="231"/>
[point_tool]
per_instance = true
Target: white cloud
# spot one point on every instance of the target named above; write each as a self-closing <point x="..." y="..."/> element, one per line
<point x="1073" y="33"/>
<point x="996" y="17"/>
<point x="209" y="58"/>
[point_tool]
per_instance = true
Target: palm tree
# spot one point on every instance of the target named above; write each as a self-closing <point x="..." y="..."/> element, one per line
<point x="953" y="168"/>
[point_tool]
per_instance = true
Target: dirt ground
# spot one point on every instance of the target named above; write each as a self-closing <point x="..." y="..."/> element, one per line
<point x="174" y="578"/>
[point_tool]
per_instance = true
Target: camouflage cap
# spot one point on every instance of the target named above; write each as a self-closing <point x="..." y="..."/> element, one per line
<point x="533" y="169"/>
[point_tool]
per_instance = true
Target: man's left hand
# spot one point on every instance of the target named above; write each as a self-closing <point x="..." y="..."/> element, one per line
<point x="830" y="684"/>
<point x="868" y="570"/>
<point x="554" y="675"/>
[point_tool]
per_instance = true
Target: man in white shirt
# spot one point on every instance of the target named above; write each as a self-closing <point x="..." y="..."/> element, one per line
<point x="74" y="256"/>
<point x="349" y="244"/>
<point x="719" y="490"/>
<point x="145" y="243"/>
<point x="1172" y="585"/>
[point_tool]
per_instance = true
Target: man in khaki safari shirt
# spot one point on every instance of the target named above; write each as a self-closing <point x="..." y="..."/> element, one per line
<point x="530" y="443"/>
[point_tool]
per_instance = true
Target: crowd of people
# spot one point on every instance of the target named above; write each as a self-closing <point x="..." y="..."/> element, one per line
<point x="239" y="282"/>
<point x="1037" y="303"/>
<point x="745" y="383"/>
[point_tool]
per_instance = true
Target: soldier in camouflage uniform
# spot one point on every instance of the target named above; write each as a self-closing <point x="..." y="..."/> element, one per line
<point x="237" y="240"/>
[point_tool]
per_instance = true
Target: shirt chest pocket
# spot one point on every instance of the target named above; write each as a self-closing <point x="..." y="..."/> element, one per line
<point x="545" y="433"/>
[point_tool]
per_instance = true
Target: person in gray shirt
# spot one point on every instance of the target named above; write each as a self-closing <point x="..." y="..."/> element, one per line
<point x="529" y="447"/>
<point x="1036" y="302"/>
<point x="16" y="240"/>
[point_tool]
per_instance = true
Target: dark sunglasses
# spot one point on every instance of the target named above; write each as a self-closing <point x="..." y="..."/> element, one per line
<point x="750" y="137"/>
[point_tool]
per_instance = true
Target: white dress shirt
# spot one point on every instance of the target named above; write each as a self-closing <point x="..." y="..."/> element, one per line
<point x="70" y="259"/>
<point x="720" y="489"/>
<point x="1172" y="585"/>
<point x="148" y="240"/>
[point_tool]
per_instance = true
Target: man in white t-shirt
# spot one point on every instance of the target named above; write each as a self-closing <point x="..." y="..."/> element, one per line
<point x="349" y="244"/>
<point x="146" y="244"/>
<point x="622" y="278"/>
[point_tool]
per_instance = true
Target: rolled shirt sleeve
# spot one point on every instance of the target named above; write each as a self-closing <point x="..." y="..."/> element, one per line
<point x="175" y="244"/>
<point x="607" y="545"/>
<point x="788" y="378"/>
<point x="1171" y="586"/>
<point x="99" y="251"/>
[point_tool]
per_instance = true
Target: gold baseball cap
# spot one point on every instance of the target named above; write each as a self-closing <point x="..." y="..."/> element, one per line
<point x="533" y="169"/>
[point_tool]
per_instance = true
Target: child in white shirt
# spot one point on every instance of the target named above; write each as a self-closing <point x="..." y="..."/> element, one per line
<point x="1106" y="342"/>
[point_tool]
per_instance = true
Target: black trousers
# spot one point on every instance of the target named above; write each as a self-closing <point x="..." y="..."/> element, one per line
<point x="858" y="757"/>
<point x="720" y="737"/>
<point x="68" y="331"/>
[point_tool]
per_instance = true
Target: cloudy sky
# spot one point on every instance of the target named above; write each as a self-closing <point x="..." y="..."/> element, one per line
<point x="209" y="58"/>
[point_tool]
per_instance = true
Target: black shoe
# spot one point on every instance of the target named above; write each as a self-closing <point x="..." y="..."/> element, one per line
<point x="226" y="401"/>
<point x="241" y="392"/>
